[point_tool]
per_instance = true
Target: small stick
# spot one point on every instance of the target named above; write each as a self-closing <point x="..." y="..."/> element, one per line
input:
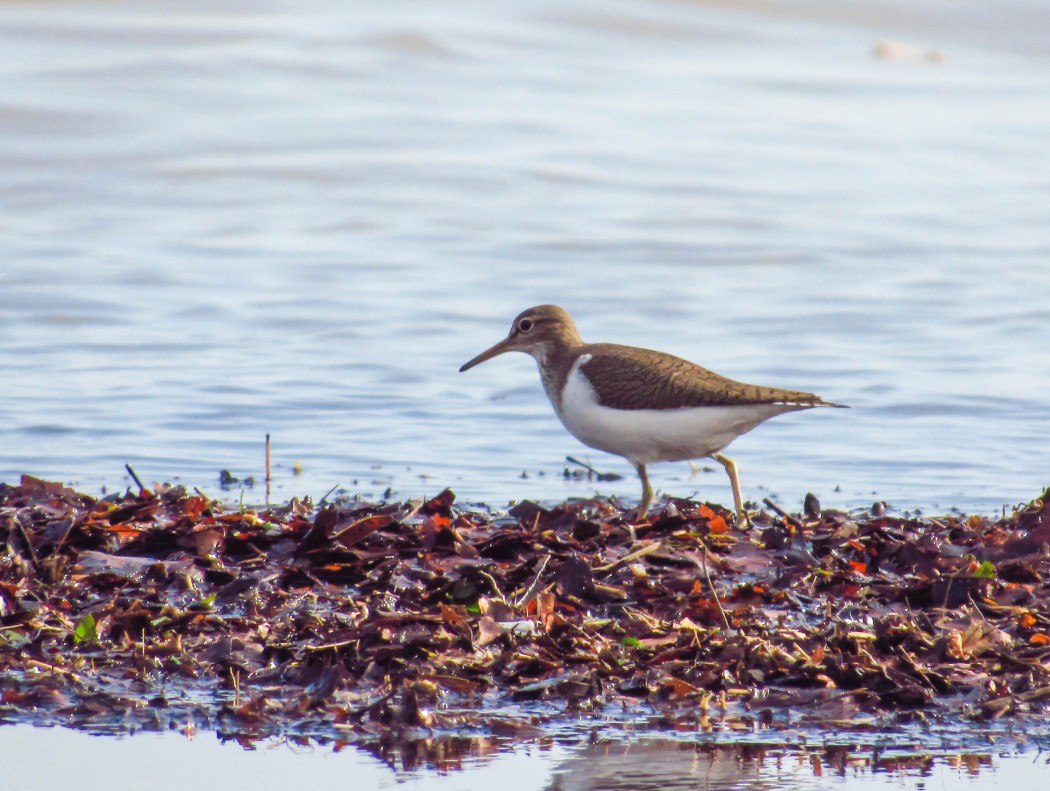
<point x="29" y="545"/>
<point x="533" y="589"/>
<point x="235" y="679"/>
<point x="363" y="710"/>
<point x="268" y="476"/>
<point x="579" y="463"/>
<point x="53" y="668"/>
<point x="495" y="587"/>
<point x="782" y="513"/>
<point x="134" y="477"/>
<point x="711" y="586"/>
<point x="332" y="646"/>
<point x="647" y="549"/>
<point x="601" y="476"/>
<point x="323" y="499"/>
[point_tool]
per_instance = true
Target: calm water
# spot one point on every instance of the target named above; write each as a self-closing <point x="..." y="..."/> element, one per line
<point x="130" y="763"/>
<point x="223" y="219"/>
<point x="226" y="219"/>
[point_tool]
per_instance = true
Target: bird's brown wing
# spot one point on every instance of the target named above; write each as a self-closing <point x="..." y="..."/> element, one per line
<point x="628" y="378"/>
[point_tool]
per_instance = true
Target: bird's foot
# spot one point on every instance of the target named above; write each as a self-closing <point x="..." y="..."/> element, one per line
<point x="743" y="520"/>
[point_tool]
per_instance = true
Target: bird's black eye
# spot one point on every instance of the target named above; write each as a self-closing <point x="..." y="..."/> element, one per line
<point x="525" y="325"/>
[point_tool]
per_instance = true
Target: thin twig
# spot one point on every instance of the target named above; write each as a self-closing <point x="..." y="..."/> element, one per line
<point x="579" y="463"/>
<point x="323" y="499"/>
<point x="782" y="513"/>
<point x="134" y="477"/>
<point x="363" y="710"/>
<point x="331" y="646"/>
<point x="495" y="587"/>
<point x="533" y="589"/>
<point x="914" y="662"/>
<point x="29" y="545"/>
<point x="268" y="475"/>
<point x="711" y="586"/>
<point x="647" y="549"/>
<point x="601" y="476"/>
<point x="52" y="668"/>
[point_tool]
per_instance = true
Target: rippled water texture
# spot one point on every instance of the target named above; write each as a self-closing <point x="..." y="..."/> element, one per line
<point x="226" y="219"/>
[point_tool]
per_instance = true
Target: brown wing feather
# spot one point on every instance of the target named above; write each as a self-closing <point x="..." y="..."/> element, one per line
<point x="628" y="378"/>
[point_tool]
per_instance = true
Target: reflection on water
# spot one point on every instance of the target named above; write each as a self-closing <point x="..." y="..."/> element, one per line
<point x="228" y="219"/>
<point x="674" y="766"/>
<point x="660" y="765"/>
<point x="223" y="220"/>
<point x="483" y="762"/>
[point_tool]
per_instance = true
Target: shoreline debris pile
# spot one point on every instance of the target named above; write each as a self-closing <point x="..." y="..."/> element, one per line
<point x="164" y="609"/>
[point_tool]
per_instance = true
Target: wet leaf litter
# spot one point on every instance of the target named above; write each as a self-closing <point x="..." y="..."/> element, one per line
<point x="162" y="608"/>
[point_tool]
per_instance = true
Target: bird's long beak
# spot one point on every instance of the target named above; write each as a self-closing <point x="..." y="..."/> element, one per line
<point x="505" y="345"/>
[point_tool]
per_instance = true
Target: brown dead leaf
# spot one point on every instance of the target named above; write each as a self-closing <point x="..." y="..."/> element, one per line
<point x="488" y="630"/>
<point x="354" y="531"/>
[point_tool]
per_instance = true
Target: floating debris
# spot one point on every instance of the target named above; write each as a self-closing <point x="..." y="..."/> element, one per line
<point x="163" y="607"/>
<point x="895" y="50"/>
<point x="588" y="472"/>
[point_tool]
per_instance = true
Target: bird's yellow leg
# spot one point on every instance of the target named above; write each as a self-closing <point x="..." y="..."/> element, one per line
<point x="647" y="497"/>
<point x="647" y="491"/>
<point x="734" y="480"/>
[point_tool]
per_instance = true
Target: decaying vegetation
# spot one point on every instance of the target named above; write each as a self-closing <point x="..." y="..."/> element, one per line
<point x="164" y="608"/>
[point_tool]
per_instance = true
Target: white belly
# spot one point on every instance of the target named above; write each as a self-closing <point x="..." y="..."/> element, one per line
<point x="643" y="436"/>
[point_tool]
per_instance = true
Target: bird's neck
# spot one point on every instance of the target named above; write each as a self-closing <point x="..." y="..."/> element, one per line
<point x="555" y="360"/>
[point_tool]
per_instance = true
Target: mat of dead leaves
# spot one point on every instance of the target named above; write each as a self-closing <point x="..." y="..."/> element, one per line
<point x="165" y="609"/>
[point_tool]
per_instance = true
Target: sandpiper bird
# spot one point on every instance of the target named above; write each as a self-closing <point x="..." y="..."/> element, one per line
<point x="643" y="405"/>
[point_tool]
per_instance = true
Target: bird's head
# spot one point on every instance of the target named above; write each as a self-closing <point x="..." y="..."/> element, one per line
<point x="538" y="331"/>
